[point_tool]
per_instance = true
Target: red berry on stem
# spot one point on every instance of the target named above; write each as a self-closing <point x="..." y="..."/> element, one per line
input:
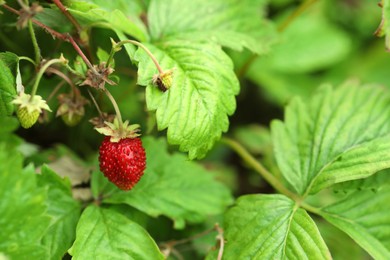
<point x="122" y="162"/>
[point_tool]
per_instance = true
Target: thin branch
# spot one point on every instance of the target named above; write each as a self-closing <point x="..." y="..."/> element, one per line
<point x="68" y="15"/>
<point x="221" y="241"/>
<point x="258" y="167"/>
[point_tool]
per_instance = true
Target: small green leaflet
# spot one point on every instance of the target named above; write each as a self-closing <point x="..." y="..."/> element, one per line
<point x="64" y="211"/>
<point x="236" y="24"/>
<point x="105" y="234"/>
<point x="336" y="136"/>
<point x="23" y="218"/>
<point x="196" y="107"/>
<point x="365" y="217"/>
<point x="271" y="227"/>
<point x="173" y="186"/>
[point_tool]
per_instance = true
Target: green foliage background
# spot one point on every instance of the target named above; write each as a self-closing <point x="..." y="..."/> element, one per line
<point x="297" y="90"/>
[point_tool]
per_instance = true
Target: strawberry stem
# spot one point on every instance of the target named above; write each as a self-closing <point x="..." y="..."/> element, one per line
<point x="41" y="71"/>
<point x="117" y="111"/>
<point x="116" y="46"/>
<point x="37" y="51"/>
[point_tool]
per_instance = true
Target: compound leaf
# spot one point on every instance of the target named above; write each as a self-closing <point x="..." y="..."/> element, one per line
<point x="338" y="135"/>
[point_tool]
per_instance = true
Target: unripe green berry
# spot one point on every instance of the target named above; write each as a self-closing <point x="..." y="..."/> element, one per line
<point x="27" y="119"/>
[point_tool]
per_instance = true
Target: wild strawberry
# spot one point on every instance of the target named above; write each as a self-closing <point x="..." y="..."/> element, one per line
<point x="29" y="108"/>
<point x="121" y="155"/>
<point x="71" y="108"/>
<point x="123" y="162"/>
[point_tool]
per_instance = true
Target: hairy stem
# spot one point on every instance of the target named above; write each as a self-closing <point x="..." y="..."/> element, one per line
<point x="258" y="167"/>
<point x="68" y="15"/>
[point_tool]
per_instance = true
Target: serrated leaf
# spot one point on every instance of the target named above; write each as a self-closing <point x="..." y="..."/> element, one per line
<point x="339" y="243"/>
<point x="174" y="187"/>
<point x="196" y="107"/>
<point x="106" y="234"/>
<point x="338" y="135"/>
<point x="236" y="24"/>
<point x="364" y="216"/>
<point x="64" y="210"/>
<point x="7" y="89"/>
<point x="271" y="227"/>
<point x="23" y="220"/>
<point x="373" y="183"/>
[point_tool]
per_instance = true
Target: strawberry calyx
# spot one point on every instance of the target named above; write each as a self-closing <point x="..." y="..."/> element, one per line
<point x="28" y="108"/>
<point x="116" y="132"/>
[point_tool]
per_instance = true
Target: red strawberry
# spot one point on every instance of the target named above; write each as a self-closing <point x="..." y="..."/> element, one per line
<point x="122" y="162"/>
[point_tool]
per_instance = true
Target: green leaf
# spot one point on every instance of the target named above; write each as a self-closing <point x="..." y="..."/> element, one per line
<point x="7" y="89"/>
<point x="174" y="187"/>
<point x="230" y="23"/>
<point x="196" y="107"/>
<point x="271" y="227"/>
<point x="374" y="182"/>
<point x="304" y="45"/>
<point x="23" y="220"/>
<point x="364" y="216"/>
<point x="64" y="210"/>
<point x="338" y="135"/>
<point x="106" y="234"/>
<point x="89" y="14"/>
<point x="339" y="243"/>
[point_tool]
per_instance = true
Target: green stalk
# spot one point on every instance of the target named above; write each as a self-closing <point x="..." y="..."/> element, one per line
<point x="40" y="74"/>
<point x="117" y="111"/>
<point x="37" y="51"/>
<point x="259" y="168"/>
<point x="118" y="45"/>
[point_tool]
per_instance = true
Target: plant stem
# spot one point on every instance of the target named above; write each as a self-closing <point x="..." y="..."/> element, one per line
<point x="96" y="104"/>
<point x="70" y="17"/>
<point x="37" y="51"/>
<point x="117" y="111"/>
<point x="297" y="12"/>
<point x="40" y="74"/>
<point x="82" y="55"/>
<point x="258" y="167"/>
<point x="27" y="59"/>
<point x="119" y="44"/>
<point x="310" y="208"/>
<point x="55" y="34"/>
